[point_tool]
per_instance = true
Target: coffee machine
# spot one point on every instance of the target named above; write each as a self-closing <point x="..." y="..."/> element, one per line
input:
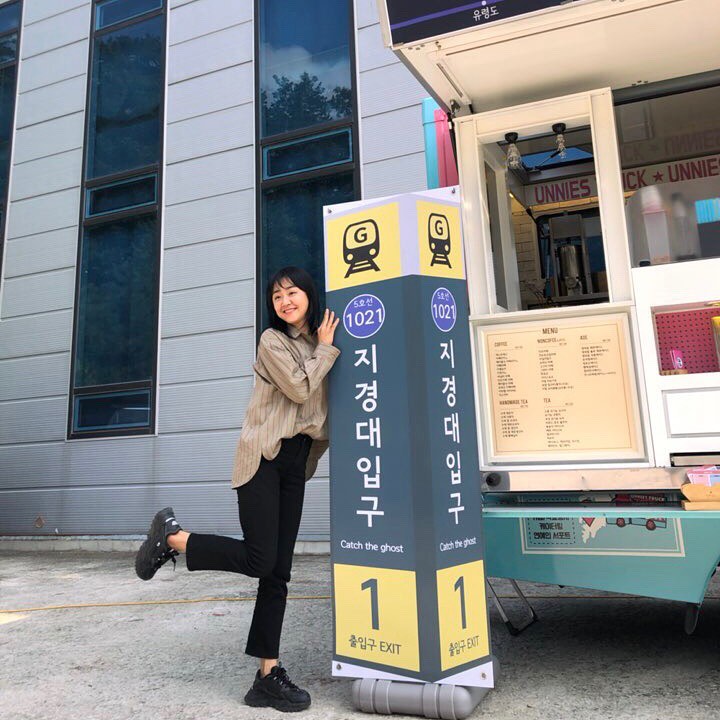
<point x="570" y="257"/>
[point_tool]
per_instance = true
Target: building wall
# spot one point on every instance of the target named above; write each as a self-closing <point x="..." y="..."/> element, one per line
<point x="207" y="333"/>
<point x="391" y="132"/>
<point x="528" y="257"/>
<point x="37" y="468"/>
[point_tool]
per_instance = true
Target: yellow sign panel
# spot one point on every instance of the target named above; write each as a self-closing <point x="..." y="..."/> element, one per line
<point x="363" y="247"/>
<point x="562" y="388"/>
<point x="462" y="614"/>
<point x="376" y="615"/>
<point x="439" y="240"/>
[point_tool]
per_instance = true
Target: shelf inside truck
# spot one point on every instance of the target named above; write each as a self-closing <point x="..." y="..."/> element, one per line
<point x="598" y="510"/>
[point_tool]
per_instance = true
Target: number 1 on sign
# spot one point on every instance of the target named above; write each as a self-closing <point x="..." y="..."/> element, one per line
<point x="460" y="585"/>
<point x="372" y="585"/>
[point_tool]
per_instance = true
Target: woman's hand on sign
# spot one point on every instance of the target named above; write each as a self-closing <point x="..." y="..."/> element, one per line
<point x="326" y="331"/>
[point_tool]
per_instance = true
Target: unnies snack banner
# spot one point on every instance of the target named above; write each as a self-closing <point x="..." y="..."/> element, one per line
<point x="406" y="535"/>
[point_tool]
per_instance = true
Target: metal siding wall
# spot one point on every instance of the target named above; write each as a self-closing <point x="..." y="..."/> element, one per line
<point x="216" y="174"/>
<point x="52" y="66"/>
<point x="216" y="261"/>
<point x="33" y="377"/>
<point x="211" y="218"/>
<point x="209" y="506"/>
<point x="213" y="356"/>
<point x="46" y="175"/>
<point x="213" y="52"/>
<point x="48" y="138"/>
<point x="53" y="101"/>
<point x="35" y="335"/>
<point x="41" y="244"/>
<point x="39" y="253"/>
<point x="207" y="324"/>
<point x="208" y="309"/>
<point x="32" y="420"/>
<point x="134" y="463"/>
<point x="210" y="93"/>
<point x="391" y="130"/>
<point x="184" y="142"/>
<point x="208" y="343"/>
<point x="110" y="486"/>
<point x="41" y="9"/>
<point x="39" y="293"/>
<point x="204" y="405"/>
<point x="70" y="23"/>
<point x="209" y="272"/>
<point x="43" y="213"/>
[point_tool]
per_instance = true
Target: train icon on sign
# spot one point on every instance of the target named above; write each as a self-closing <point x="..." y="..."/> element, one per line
<point x="439" y="239"/>
<point x="361" y="245"/>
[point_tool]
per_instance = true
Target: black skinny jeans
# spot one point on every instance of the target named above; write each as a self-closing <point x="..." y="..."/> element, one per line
<point x="270" y="507"/>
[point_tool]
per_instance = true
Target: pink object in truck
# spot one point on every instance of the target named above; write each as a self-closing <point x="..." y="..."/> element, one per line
<point x="705" y="475"/>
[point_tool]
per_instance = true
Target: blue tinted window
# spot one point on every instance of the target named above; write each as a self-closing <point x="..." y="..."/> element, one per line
<point x="707" y="211"/>
<point x="8" y="48"/>
<point x="304" y="59"/>
<point x="309" y="153"/>
<point x="116" y="303"/>
<point x="124" y="130"/>
<point x="292" y="228"/>
<point x="7" y="107"/>
<point x="118" y="269"/>
<point x="551" y="158"/>
<point x="9" y="17"/>
<point x="122" y="195"/>
<point x="115" y="11"/>
<point x="112" y="411"/>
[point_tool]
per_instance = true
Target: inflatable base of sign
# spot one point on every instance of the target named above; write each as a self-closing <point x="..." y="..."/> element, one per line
<point x="430" y="700"/>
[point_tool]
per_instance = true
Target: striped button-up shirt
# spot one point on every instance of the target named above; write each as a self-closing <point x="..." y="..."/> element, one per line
<point x="289" y="397"/>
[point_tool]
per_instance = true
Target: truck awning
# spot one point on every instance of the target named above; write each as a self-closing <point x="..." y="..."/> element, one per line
<point x="510" y="59"/>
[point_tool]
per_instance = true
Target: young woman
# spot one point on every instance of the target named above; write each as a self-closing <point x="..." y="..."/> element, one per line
<point x="283" y="437"/>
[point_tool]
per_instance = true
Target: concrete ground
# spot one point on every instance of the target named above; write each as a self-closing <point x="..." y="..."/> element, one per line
<point x="126" y="653"/>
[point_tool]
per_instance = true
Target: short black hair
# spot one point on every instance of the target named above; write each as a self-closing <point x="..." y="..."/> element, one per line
<point x="301" y="279"/>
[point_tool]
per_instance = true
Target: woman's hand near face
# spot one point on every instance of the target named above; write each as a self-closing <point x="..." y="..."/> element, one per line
<point x="326" y="330"/>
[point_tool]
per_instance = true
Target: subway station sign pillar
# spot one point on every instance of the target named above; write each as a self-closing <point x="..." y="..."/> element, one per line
<point x="406" y="536"/>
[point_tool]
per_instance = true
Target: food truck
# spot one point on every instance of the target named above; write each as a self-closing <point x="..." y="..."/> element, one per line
<point x="587" y="137"/>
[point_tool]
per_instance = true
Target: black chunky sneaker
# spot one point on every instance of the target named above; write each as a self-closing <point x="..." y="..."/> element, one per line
<point x="276" y="690"/>
<point x="155" y="551"/>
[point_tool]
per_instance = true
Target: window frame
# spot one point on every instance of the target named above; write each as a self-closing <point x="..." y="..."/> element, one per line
<point x="353" y="166"/>
<point x="86" y="222"/>
<point x="347" y="132"/>
<point x="89" y="215"/>
<point x="95" y="30"/>
<point x="112" y="391"/>
<point x="94" y="35"/>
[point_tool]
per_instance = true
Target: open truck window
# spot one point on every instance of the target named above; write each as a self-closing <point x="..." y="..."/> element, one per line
<point x="670" y="154"/>
<point x="669" y="151"/>
<point x="554" y="219"/>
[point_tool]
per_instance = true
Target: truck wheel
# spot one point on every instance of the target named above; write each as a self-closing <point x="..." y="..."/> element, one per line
<point x="692" y="613"/>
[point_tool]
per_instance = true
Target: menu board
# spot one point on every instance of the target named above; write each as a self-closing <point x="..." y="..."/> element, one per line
<point x="416" y="20"/>
<point x="562" y="390"/>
